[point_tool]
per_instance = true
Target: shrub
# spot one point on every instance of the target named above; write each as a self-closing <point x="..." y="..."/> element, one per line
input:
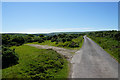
<point x="53" y="39"/>
<point x="41" y="40"/>
<point x="28" y="39"/>
<point x="9" y="57"/>
<point x="6" y="39"/>
<point x="18" y="40"/>
<point x="36" y="39"/>
<point x="63" y="40"/>
<point x="73" y="44"/>
<point x="41" y="35"/>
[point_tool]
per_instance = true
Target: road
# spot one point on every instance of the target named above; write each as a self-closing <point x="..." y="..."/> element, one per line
<point x="91" y="61"/>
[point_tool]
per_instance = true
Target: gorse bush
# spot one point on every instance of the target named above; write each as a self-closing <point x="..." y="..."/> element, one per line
<point x="64" y="37"/>
<point x="40" y="40"/>
<point x="67" y="40"/>
<point x="70" y="44"/>
<point x="9" y="57"/>
<point x="19" y="40"/>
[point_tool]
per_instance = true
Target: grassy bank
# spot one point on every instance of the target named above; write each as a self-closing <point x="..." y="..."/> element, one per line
<point x="37" y="64"/>
<point x="110" y="45"/>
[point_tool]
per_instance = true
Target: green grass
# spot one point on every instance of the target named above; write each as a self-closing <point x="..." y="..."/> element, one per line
<point x="109" y="45"/>
<point x="48" y="42"/>
<point x="37" y="63"/>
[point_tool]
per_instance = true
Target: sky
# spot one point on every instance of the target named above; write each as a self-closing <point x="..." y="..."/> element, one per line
<point x="60" y="0"/>
<point x="46" y="17"/>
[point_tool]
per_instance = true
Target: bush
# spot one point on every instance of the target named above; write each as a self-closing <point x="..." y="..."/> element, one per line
<point x="40" y="40"/>
<point x="36" y="39"/>
<point x="70" y="44"/>
<point x="41" y="35"/>
<point x="6" y="39"/>
<point x="18" y="40"/>
<point x="9" y="57"/>
<point x="73" y="44"/>
<point x="53" y="39"/>
<point x="28" y="39"/>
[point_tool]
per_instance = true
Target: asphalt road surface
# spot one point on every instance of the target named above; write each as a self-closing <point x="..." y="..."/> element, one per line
<point x="91" y="61"/>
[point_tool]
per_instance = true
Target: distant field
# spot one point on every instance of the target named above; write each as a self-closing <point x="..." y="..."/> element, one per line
<point x="37" y="64"/>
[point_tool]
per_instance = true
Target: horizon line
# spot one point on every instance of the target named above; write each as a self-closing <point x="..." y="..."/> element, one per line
<point x="53" y="32"/>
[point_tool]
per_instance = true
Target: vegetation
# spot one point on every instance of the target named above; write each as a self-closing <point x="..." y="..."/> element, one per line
<point x="60" y="40"/>
<point x="68" y="44"/>
<point x="9" y="57"/>
<point x="37" y="64"/>
<point x="108" y="40"/>
<point x="22" y="61"/>
<point x="63" y="40"/>
<point x="9" y="40"/>
<point x="74" y="43"/>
